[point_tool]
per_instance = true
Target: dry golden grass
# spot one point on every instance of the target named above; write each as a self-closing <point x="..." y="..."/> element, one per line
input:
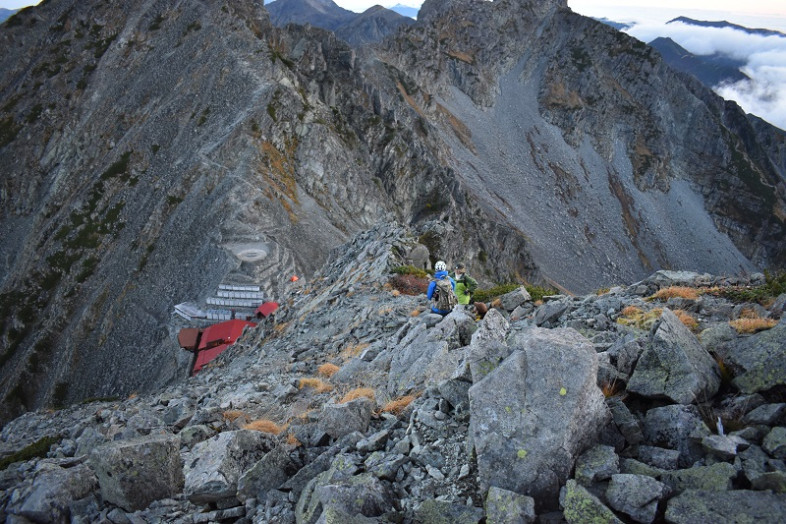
<point x="687" y="319"/>
<point x="640" y="319"/>
<point x="748" y="312"/>
<point x="397" y="406"/>
<point x="232" y="414"/>
<point x="630" y="311"/>
<point x="676" y="292"/>
<point x="280" y="328"/>
<point x="353" y="350"/>
<point x="746" y="326"/>
<point x="357" y="393"/>
<point x="317" y="384"/>
<point x="293" y="441"/>
<point x="327" y="370"/>
<point x="265" y="426"/>
<point x="611" y="389"/>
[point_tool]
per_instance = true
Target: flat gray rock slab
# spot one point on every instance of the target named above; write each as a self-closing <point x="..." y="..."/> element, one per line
<point x="133" y="473"/>
<point x="674" y="365"/>
<point x="531" y="416"/>
<point x="694" y="506"/>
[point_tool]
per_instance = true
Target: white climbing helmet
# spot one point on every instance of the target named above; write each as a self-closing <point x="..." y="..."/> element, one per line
<point x="440" y="266"/>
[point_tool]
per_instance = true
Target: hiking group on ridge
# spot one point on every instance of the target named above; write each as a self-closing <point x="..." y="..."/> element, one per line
<point x="445" y="291"/>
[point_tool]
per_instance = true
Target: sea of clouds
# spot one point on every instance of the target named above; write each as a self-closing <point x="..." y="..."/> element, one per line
<point x="764" y="94"/>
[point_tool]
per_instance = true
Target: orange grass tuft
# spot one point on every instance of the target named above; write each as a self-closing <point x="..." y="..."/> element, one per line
<point x="629" y="311"/>
<point x="397" y="406"/>
<point x="353" y="350"/>
<point x="233" y="414"/>
<point x="748" y="312"/>
<point x="687" y="319"/>
<point x="265" y="426"/>
<point x="747" y="326"/>
<point x="293" y="441"/>
<point x="317" y="384"/>
<point x="357" y="393"/>
<point x="327" y="370"/>
<point x="611" y="389"/>
<point x="676" y="292"/>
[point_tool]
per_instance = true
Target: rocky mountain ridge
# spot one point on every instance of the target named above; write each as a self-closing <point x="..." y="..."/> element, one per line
<point x="150" y="149"/>
<point x="358" y="405"/>
<point x="711" y="70"/>
<point x="724" y="24"/>
<point x="372" y="25"/>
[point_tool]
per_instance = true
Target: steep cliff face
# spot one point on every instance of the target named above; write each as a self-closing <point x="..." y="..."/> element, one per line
<point x="147" y="149"/>
<point x="585" y="140"/>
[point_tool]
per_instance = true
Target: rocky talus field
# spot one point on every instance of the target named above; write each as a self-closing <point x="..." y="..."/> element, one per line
<point x="662" y="401"/>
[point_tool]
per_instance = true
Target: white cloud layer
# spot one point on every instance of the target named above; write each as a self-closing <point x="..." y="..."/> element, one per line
<point x="764" y="94"/>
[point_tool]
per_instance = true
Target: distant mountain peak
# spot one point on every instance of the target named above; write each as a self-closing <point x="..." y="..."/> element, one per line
<point x="724" y="24"/>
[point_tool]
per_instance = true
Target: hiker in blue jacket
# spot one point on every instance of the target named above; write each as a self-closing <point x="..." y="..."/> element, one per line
<point x="443" y="304"/>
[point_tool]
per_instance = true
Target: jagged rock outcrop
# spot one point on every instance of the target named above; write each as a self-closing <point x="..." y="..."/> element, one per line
<point x="258" y="435"/>
<point x="157" y="150"/>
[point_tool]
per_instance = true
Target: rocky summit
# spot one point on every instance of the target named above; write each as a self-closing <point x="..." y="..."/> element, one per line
<point x="662" y="401"/>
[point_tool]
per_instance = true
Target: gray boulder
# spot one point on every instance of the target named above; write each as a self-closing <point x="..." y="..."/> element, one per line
<point x="677" y="427"/>
<point x="548" y="314"/>
<point x="487" y="348"/>
<point x="674" y="365"/>
<point x="757" y="360"/>
<point x="514" y="299"/>
<point x="342" y="488"/>
<point x="362" y="494"/>
<point x="133" y="473"/>
<point x="429" y="354"/>
<point x="338" y="420"/>
<point x="214" y="466"/>
<point x="660" y="458"/>
<point x="635" y="467"/>
<point x="533" y="415"/>
<point x="717" y="477"/>
<point x="443" y="512"/>
<point x="626" y="422"/>
<point x="507" y="507"/>
<point x="775" y="442"/>
<point x="636" y="495"/>
<point x="779" y="306"/>
<point x="52" y="492"/>
<point x="624" y="354"/>
<point x="581" y="506"/>
<point x="694" y="506"/>
<point x="768" y="414"/>
<point x="596" y="464"/>
<point x="762" y="471"/>
<point x="722" y="447"/>
<point x="485" y="356"/>
<point x="268" y="473"/>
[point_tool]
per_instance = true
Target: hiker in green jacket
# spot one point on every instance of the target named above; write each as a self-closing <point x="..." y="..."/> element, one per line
<point x="465" y="284"/>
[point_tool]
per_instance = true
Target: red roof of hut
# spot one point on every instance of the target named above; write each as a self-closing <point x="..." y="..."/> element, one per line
<point x="223" y="333"/>
<point x="266" y="309"/>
